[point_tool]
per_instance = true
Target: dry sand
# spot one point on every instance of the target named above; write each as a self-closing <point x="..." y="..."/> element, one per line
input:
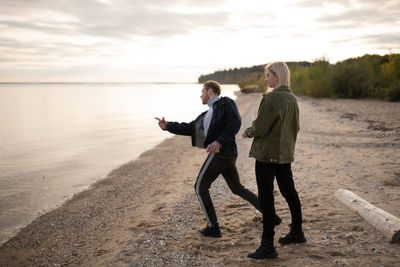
<point x="146" y="213"/>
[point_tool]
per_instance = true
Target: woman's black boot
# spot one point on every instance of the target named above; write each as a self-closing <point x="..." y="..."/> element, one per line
<point x="265" y="251"/>
<point x="295" y="235"/>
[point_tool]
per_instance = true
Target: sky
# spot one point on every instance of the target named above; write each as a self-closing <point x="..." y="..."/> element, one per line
<point x="179" y="40"/>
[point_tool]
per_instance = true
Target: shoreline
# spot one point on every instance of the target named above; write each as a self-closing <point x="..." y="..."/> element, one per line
<point x="145" y="212"/>
<point x="50" y="183"/>
<point x="15" y="229"/>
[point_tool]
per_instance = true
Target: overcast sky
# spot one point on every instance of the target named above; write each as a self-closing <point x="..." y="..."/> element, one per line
<point x="178" y="40"/>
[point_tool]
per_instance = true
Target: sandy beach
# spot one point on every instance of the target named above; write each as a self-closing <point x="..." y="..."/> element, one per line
<point x="145" y="213"/>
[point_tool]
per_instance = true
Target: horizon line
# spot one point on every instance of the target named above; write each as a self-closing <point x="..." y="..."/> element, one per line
<point x="98" y="82"/>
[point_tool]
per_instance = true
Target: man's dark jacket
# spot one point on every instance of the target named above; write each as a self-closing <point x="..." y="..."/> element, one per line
<point x="224" y="125"/>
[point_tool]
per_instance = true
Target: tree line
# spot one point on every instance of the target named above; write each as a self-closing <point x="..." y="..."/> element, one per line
<point x="368" y="76"/>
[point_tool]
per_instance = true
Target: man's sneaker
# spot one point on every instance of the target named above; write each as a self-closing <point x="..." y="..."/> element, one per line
<point x="265" y="251"/>
<point x="293" y="237"/>
<point x="212" y="231"/>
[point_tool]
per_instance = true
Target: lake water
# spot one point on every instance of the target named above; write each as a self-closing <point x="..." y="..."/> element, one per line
<point x="58" y="139"/>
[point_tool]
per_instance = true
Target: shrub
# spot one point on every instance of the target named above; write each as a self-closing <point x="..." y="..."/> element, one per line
<point x="349" y="81"/>
<point x="393" y="93"/>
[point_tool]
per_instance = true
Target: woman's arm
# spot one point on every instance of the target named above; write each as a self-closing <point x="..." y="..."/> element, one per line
<point x="266" y="118"/>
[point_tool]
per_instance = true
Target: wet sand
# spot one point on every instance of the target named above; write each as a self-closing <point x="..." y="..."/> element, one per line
<point x="145" y="213"/>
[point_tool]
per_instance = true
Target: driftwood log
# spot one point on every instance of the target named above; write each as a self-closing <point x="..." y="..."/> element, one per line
<point x="385" y="222"/>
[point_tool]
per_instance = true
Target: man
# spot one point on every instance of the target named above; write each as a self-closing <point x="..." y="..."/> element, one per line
<point x="215" y="130"/>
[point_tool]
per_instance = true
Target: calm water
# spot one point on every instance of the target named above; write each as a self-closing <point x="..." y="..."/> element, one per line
<point x="57" y="139"/>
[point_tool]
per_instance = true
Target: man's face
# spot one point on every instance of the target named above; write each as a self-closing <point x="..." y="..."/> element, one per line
<point x="204" y="96"/>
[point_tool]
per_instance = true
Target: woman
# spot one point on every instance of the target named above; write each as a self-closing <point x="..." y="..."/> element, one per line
<point x="275" y="131"/>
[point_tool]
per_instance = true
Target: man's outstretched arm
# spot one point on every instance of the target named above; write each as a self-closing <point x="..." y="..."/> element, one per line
<point x="181" y="128"/>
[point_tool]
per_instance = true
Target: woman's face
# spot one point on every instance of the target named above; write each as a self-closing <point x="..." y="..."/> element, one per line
<point x="271" y="79"/>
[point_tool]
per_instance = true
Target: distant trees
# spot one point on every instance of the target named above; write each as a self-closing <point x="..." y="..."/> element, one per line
<point x="312" y="80"/>
<point x="390" y="77"/>
<point x="247" y="77"/>
<point x="234" y="76"/>
<point x="367" y="76"/>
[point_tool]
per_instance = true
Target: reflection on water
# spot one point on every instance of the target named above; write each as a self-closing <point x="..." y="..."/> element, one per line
<point x="58" y="139"/>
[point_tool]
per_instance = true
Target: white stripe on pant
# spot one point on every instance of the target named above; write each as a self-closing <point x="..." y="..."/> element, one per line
<point x="206" y="164"/>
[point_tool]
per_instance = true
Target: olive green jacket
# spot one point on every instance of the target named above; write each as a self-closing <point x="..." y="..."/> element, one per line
<point x="275" y="128"/>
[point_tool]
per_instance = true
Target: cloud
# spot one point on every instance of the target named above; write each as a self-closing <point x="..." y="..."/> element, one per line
<point x="121" y="19"/>
<point x="386" y="39"/>
<point x="7" y="42"/>
<point x="7" y="59"/>
<point x="68" y="35"/>
<point x="360" y="17"/>
<point x="48" y="54"/>
<point x="322" y="3"/>
<point x="348" y="4"/>
<point x="355" y="14"/>
<point x="50" y="30"/>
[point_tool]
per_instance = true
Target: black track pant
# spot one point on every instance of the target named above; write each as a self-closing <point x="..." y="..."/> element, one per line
<point x="265" y="173"/>
<point x="215" y="165"/>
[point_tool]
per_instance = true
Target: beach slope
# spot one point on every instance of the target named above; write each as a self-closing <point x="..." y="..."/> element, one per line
<point x="145" y="213"/>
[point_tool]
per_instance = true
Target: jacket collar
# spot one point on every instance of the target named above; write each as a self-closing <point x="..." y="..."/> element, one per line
<point x="282" y="88"/>
<point x="212" y="101"/>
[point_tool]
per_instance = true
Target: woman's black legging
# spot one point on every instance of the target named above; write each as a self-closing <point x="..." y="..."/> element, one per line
<point x="265" y="173"/>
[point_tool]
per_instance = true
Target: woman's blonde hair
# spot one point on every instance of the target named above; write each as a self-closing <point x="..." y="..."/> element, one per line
<point x="281" y="70"/>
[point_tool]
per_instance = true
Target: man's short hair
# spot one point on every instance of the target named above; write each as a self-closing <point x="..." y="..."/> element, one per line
<point x="214" y="85"/>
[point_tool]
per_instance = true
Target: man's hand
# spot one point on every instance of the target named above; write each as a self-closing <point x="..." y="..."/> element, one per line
<point x="213" y="147"/>
<point x="162" y="123"/>
<point x="244" y="135"/>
